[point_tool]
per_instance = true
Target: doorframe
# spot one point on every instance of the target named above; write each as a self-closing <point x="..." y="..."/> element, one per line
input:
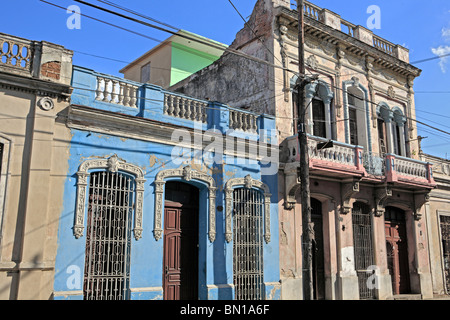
<point x="178" y="205"/>
<point x="206" y="220"/>
<point x="207" y="188"/>
<point x="410" y="241"/>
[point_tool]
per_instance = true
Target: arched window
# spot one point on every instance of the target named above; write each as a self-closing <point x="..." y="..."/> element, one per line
<point x="391" y="130"/>
<point x="356" y="116"/>
<point x="319" y="114"/>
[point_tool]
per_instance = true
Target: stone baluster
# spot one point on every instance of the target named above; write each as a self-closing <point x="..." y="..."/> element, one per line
<point x="106" y="90"/>
<point x="121" y="94"/>
<point x="114" y="94"/>
<point x="133" y="96"/>
<point x="126" y="94"/>
<point x="98" y="91"/>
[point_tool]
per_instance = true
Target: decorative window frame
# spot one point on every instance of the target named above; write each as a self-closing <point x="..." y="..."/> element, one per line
<point x="247" y="182"/>
<point x="354" y="82"/>
<point x="112" y="164"/>
<point x="187" y="174"/>
<point x="4" y="177"/>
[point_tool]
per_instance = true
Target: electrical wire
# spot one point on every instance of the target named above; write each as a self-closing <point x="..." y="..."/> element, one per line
<point x="251" y="57"/>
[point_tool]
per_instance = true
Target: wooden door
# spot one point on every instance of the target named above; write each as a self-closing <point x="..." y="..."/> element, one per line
<point x="180" y="262"/>
<point x="397" y="250"/>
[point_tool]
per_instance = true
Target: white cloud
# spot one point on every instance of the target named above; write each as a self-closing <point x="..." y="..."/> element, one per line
<point x="446" y="33"/>
<point x="443" y="52"/>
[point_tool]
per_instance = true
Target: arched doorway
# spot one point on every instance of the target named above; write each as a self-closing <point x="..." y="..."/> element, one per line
<point x="397" y="249"/>
<point x="318" y="250"/>
<point x="180" y="261"/>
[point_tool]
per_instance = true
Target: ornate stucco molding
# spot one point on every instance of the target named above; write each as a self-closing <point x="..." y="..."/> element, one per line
<point x="291" y="185"/>
<point x="381" y="195"/>
<point x="348" y="191"/>
<point x="248" y="183"/>
<point x="186" y="174"/>
<point x="112" y="164"/>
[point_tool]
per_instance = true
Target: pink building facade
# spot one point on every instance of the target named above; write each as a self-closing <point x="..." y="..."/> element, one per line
<point x="369" y="190"/>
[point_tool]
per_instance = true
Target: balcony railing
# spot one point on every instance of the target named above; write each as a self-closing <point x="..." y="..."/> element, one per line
<point x="358" y="32"/>
<point x="182" y="107"/>
<point x="16" y="53"/>
<point x="115" y="91"/>
<point x="345" y="159"/>
<point x="408" y="170"/>
<point x="244" y="121"/>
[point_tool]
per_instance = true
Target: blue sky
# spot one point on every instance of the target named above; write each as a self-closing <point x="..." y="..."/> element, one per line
<point x="422" y="27"/>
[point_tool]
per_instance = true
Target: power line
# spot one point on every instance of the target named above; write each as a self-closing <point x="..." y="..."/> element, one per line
<point x="253" y="31"/>
<point x="138" y="14"/>
<point x="105" y="22"/>
<point x="197" y="40"/>
<point x="213" y="45"/>
<point x="373" y="103"/>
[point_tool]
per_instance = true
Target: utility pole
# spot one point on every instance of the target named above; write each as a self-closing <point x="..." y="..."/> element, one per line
<point x="308" y="232"/>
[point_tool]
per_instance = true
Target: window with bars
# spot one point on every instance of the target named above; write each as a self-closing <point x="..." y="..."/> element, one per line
<point x="363" y="248"/>
<point x="108" y="236"/>
<point x="248" y="206"/>
<point x="1" y="159"/>
<point x="445" y="233"/>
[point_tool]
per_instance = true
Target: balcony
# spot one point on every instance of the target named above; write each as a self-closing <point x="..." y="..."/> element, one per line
<point x="115" y="95"/>
<point x="316" y="15"/>
<point x="345" y="161"/>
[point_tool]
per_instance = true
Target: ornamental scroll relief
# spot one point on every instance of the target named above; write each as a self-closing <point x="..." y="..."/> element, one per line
<point x="187" y="174"/>
<point x="112" y="164"/>
<point x="249" y="183"/>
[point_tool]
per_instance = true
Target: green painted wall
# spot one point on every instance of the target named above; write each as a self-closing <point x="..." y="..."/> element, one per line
<point x="187" y="61"/>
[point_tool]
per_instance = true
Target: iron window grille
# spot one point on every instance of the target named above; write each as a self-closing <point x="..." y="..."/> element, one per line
<point x="248" y="210"/>
<point x="363" y="249"/>
<point x="108" y="236"/>
<point x="1" y="159"/>
<point x="445" y="233"/>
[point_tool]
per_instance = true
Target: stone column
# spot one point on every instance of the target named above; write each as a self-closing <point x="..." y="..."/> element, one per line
<point x="327" y="104"/>
<point x="389" y="132"/>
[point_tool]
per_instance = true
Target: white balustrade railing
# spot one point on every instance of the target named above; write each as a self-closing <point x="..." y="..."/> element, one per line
<point x="410" y="168"/>
<point x="383" y="45"/>
<point x="312" y="11"/>
<point x="117" y="92"/>
<point x="185" y="108"/>
<point x="15" y="52"/>
<point x="243" y="121"/>
<point x="339" y="153"/>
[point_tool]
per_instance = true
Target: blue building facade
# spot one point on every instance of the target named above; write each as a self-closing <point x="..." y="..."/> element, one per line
<point x="166" y="197"/>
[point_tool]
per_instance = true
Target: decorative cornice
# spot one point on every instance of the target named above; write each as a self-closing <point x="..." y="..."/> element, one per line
<point x="35" y="86"/>
<point x="320" y="30"/>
